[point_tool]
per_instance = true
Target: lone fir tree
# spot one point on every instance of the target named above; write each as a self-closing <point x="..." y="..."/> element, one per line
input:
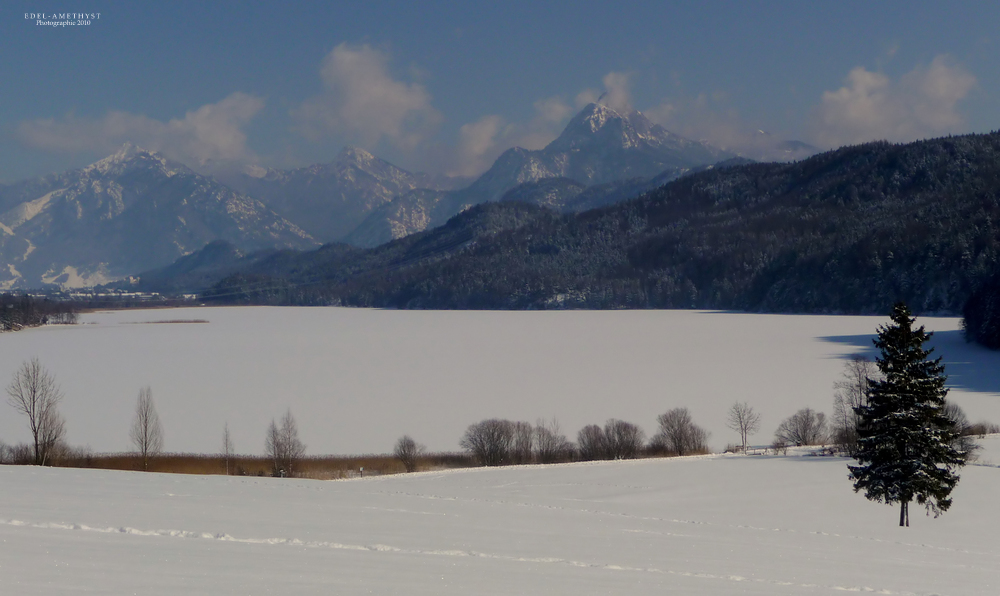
<point x="907" y="445"/>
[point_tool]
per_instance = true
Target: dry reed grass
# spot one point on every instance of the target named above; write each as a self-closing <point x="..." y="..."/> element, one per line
<point x="328" y="467"/>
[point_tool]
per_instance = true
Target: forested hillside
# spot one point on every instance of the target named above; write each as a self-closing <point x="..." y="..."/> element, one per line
<point x="852" y="230"/>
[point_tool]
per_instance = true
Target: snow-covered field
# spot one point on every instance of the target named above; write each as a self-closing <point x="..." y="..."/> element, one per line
<point x="699" y="526"/>
<point x="358" y="379"/>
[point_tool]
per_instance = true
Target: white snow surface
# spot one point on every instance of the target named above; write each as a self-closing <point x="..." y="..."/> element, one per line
<point x="699" y="526"/>
<point x="358" y="379"/>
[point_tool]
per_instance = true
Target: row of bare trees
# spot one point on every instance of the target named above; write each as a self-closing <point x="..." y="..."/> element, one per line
<point x="34" y="393"/>
<point x="496" y="442"/>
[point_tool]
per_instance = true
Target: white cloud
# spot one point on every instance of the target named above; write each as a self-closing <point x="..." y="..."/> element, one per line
<point x="871" y="106"/>
<point x="552" y="109"/>
<point x="476" y="143"/>
<point x="618" y="86"/>
<point x="363" y="103"/>
<point x="211" y="133"/>
<point x="702" y="118"/>
<point x="617" y="93"/>
<point x="482" y="141"/>
<point x="712" y="118"/>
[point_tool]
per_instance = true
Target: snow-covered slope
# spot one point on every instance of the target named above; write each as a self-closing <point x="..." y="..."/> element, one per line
<point x="330" y="200"/>
<point x="129" y="212"/>
<point x="703" y="526"/>
<point x="358" y="379"/>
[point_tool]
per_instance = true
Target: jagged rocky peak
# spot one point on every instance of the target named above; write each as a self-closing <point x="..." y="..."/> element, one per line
<point x="598" y="123"/>
<point x="592" y="118"/>
<point x="129" y="157"/>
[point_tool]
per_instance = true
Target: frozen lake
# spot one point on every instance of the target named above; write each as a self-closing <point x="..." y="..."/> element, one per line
<point x="357" y="379"/>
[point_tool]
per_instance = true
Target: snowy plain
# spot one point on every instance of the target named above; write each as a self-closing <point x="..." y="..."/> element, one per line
<point x="714" y="525"/>
<point x="358" y="379"/>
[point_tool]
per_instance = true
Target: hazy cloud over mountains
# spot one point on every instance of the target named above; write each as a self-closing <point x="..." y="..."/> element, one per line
<point x="482" y="141"/>
<point x="213" y="132"/>
<point x="364" y="103"/>
<point x="617" y="93"/>
<point x="922" y="103"/>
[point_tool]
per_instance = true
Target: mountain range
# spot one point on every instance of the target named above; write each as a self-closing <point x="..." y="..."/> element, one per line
<point x="598" y="146"/>
<point x="129" y="212"/>
<point x="137" y="211"/>
<point x="847" y="231"/>
<point x="330" y="200"/>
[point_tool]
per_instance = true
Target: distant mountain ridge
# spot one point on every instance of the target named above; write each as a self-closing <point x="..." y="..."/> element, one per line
<point x="136" y="211"/>
<point x="599" y="145"/>
<point x="330" y="200"/>
<point x="128" y="212"/>
<point x="847" y="231"/>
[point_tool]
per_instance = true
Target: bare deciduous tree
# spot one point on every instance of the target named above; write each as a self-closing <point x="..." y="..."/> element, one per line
<point x="35" y="393"/>
<point x="591" y="443"/>
<point x="851" y="393"/>
<point x="624" y="440"/>
<point x="551" y="445"/>
<point x="490" y="441"/>
<point x="146" y="432"/>
<point x="521" y="449"/>
<point x="283" y="446"/>
<point x="963" y="430"/>
<point x="227" y="446"/>
<point x="679" y="434"/>
<point x="407" y="450"/>
<point x="743" y="419"/>
<point x="805" y="427"/>
<point x="273" y="448"/>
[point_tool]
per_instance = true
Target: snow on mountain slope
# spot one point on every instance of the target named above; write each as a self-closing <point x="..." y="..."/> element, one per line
<point x="129" y="212"/>
<point x="328" y="200"/>
<point x="598" y="145"/>
<point x="702" y="526"/>
<point x="358" y="379"/>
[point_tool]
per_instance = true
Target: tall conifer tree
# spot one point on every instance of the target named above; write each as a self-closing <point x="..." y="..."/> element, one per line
<point x="906" y="446"/>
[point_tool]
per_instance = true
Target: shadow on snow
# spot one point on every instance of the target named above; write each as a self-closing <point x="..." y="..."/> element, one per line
<point x="969" y="366"/>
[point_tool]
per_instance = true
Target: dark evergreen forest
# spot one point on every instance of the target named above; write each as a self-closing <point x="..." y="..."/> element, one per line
<point x="849" y="231"/>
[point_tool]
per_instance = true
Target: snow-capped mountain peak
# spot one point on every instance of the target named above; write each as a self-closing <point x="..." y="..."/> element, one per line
<point x="131" y="211"/>
<point x="131" y="156"/>
<point x="355" y="155"/>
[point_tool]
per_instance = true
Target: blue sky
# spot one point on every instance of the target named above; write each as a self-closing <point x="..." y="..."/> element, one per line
<point x="446" y="86"/>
